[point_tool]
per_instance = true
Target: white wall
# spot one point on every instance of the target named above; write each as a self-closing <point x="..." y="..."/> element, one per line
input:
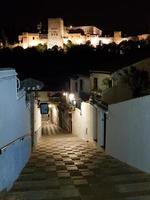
<point x="84" y="121"/>
<point x="37" y="126"/>
<point x="77" y="123"/>
<point x="128" y="132"/>
<point x="37" y="117"/>
<point x="88" y="123"/>
<point x="100" y="126"/>
<point x="89" y="120"/>
<point x="14" y="123"/>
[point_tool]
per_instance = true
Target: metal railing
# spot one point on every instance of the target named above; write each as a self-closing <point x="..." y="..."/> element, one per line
<point x="20" y="93"/>
<point x="4" y="148"/>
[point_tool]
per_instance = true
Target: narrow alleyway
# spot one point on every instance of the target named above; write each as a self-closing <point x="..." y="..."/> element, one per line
<point x="63" y="167"/>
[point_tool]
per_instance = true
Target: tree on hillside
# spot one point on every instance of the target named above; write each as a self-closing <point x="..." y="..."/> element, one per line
<point x="41" y="47"/>
<point x="68" y="45"/>
<point x="138" y="81"/>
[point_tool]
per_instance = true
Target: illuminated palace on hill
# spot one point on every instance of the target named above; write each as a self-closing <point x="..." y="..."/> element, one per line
<point x="58" y="34"/>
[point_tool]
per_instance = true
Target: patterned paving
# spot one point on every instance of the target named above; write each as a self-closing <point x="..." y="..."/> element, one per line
<point x="50" y="129"/>
<point x="64" y="167"/>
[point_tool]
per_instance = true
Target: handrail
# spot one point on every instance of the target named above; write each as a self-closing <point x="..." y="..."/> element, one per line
<point x="20" y="93"/>
<point x="18" y="83"/>
<point x="2" y="149"/>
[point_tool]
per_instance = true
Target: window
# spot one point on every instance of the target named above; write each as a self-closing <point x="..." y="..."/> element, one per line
<point x="95" y="85"/>
<point x="76" y="86"/>
<point x="54" y="33"/>
<point x="33" y="38"/>
<point x="81" y="84"/>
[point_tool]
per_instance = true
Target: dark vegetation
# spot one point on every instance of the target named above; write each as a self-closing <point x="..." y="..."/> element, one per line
<point x="138" y="81"/>
<point x="55" y="64"/>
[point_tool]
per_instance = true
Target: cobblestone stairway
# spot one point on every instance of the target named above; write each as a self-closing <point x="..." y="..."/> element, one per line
<point x="64" y="167"/>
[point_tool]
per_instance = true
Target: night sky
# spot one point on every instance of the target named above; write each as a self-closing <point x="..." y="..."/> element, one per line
<point x="129" y="16"/>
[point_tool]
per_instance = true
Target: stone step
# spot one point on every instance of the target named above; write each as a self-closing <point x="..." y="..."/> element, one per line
<point x="2" y="195"/>
<point x="33" y="176"/>
<point x="115" y="171"/>
<point x="36" y="185"/>
<point x="145" y="197"/>
<point x="50" y="194"/>
<point x="129" y="178"/>
<point x="28" y="170"/>
<point x="133" y="187"/>
<point x="65" y="192"/>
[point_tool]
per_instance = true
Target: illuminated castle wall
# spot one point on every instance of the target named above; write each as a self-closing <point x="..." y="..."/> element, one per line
<point x="32" y="39"/>
<point x="58" y="34"/>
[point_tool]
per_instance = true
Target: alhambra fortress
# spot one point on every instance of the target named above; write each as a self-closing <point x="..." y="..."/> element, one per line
<point x="59" y="34"/>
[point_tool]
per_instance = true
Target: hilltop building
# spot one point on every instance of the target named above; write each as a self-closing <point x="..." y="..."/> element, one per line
<point x="32" y="39"/>
<point x="60" y="35"/>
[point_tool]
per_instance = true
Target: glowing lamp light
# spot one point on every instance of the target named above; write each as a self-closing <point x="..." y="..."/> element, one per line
<point x="74" y="102"/>
<point x="65" y="94"/>
<point x="71" y="97"/>
<point x="50" y="105"/>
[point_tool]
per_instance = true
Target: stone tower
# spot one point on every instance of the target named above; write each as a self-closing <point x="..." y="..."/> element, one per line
<point x="117" y="37"/>
<point x="55" y="32"/>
